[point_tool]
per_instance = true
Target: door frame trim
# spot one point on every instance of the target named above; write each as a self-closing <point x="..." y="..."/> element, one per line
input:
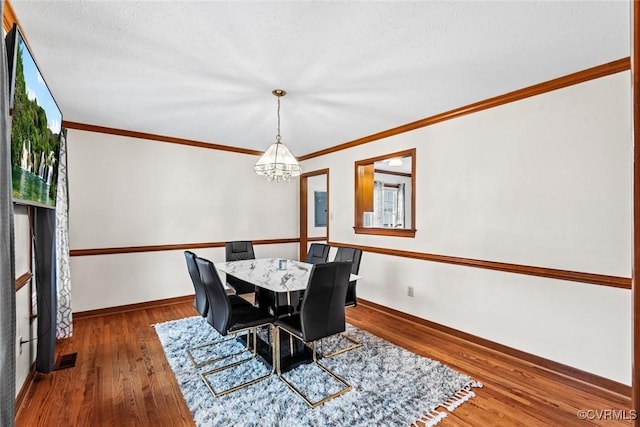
<point x="304" y="212"/>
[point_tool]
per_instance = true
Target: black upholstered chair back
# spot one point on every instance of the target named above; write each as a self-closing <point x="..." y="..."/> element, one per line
<point x="239" y="250"/>
<point x="219" y="305"/>
<point x="350" y="254"/>
<point x="354" y="255"/>
<point x="322" y="309"/>
<point x="200" y="303"/>
<point x="318" y="253"/>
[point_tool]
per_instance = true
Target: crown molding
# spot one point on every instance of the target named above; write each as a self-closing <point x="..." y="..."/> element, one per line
<point x="154" y="137"/>
<point x="603" y="70"/>
<point x="592" y="73"/>
<point x="8" y="16"/>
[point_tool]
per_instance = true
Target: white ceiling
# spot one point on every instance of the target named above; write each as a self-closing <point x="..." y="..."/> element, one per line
<point x="205" y="70"/>
<point x="384" y="165"/>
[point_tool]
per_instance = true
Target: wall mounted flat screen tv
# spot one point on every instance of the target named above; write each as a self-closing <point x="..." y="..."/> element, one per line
<point x="35" y="128"/>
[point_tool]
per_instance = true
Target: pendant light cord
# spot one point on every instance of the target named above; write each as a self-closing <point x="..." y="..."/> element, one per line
<point x="278" y="135"/>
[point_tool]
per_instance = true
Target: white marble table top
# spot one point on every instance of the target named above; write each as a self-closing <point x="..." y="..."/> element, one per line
<point x="266" y="273"/>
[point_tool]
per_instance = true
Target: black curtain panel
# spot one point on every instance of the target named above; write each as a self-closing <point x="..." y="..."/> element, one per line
<point x="7" y="257"/>
<point x="44" y="246"/>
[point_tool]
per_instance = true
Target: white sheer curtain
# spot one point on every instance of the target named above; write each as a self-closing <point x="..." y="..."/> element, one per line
<point x="64" y="321"/>
<point x="7" y="258"/>
<point x="401" y="212"/>
<point x="378" y="203"/>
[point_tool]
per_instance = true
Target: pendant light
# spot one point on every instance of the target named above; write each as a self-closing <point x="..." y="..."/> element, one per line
<point x="277" y="163"/>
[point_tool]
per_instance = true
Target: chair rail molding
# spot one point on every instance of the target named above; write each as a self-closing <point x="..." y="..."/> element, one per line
<point x="551" y="273"/>
<point x="171" y="247"/>
<point x="23" y="280"/>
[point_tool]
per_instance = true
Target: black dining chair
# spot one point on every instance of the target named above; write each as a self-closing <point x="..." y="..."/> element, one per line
<point x="201" y="303"/>
<point x="317" y="254"/>
<point x="354" y="256"/>
<point x="243" y="250"/>
<point x="237" y="251"/>
<point x="321" y="316"/>
<point x="228" y="318"/>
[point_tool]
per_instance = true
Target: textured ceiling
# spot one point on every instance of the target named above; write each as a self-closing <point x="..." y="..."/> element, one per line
<point x="205" y="70"/>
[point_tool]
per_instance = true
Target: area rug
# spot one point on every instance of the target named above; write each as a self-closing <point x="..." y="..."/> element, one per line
<point x="391" y="386"/>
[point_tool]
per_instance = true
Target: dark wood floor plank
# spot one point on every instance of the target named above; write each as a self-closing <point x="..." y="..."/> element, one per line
<point x="122" y="377"/>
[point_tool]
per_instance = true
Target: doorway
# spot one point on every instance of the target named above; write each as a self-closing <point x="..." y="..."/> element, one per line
<point x="314" y="209"/>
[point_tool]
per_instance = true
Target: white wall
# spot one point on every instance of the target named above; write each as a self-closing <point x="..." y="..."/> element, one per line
<point x="134" y="192"/>
<point x="545" y="181"/>
<point x="25" y="329"/>
<point x="22" y="239"/>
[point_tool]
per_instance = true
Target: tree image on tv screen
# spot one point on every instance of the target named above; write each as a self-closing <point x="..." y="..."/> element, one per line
<point x="35" y="145"/>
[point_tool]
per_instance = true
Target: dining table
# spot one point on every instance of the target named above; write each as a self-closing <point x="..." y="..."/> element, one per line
<point x="273" y="274"/>
<point x="276" y="280"/>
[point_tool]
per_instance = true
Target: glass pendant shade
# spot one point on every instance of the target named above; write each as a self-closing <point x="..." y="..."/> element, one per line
<point x="277" y="163"/>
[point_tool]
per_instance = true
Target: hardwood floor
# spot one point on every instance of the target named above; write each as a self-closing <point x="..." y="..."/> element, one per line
<point x="122" y="378"/>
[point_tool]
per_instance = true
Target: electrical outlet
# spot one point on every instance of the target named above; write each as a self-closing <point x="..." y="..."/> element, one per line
<point x="20" y="344"/>
<point x="410" y="291"/>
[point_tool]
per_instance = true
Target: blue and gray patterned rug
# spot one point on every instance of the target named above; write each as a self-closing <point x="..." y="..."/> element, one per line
<point x="391" y="386"/>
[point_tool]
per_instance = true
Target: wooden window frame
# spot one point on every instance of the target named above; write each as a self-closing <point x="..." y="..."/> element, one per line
<point x="364" y="167"/>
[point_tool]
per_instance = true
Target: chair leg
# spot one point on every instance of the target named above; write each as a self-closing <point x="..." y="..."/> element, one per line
<point x="217" y="393"/>
<point x="346" y="386"/>
<point x="197" y="364"/>
<point x="354" y="344"/>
